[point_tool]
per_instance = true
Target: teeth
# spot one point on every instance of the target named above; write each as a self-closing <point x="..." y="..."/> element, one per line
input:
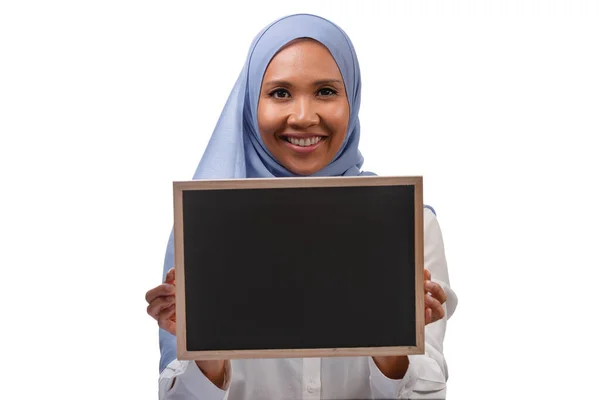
<point x="304" y="142"/>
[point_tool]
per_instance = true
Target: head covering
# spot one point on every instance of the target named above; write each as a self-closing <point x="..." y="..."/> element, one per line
<point x="236" y="149"/>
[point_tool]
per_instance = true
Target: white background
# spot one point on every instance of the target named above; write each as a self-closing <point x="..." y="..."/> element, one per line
<point x="103" y="104"/>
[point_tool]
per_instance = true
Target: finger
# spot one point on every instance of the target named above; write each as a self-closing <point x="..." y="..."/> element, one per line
<point x="164" y="289"/>
<point x="159" y="304"/>
<point x="436" y="308"/>
<point x="166" y="320"/>
<point x="428" y="316"/>
<point x="170" y="278"/>
<point x="436" y="291"/>
<point x="427" y="275"/>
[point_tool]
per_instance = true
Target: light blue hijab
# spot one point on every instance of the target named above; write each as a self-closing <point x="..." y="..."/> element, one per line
<point x="236" y="149"/>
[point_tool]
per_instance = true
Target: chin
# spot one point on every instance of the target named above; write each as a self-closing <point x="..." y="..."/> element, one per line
<point x="303" y="170"/>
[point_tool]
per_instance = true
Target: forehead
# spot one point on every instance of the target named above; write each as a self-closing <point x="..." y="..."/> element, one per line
<point x="303" y="57"/>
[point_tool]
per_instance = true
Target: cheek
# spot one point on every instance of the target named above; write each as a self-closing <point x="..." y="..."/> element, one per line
<point x="269" y="119"/>
<point x="338" y="121"/>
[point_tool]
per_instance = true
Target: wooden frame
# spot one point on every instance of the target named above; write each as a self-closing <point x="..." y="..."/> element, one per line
<point x="233" y="184"/>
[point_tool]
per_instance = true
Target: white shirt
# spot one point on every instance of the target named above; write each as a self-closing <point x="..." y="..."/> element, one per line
<point x="332" y="377"/>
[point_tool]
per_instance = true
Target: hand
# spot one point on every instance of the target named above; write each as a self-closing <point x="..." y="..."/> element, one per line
<point x="434" y="298"/>
<point x="161" y="303"/>
<point x="395" y="367"/>
<point x="161" y="307"/>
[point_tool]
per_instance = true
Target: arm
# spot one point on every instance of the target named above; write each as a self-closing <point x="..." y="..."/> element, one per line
<point x="215" y="371"/>
<point x="426" y="375"/>
<point x="184" y="380"/>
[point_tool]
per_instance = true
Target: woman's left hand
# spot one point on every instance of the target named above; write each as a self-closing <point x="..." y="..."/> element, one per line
<point x="395" y="367"/>
<point x="434" y="298"/>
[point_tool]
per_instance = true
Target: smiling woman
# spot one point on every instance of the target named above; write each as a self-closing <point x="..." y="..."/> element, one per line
<point x="293" y="113"/>
<point x="303" y="109"/>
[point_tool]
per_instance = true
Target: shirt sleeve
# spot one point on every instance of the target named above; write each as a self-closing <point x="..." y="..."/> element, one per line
<point x="427" y="373"/>
<point x="183" y="380"/>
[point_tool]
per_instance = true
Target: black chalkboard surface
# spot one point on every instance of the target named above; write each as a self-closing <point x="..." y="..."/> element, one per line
<point x="299" y="267"/>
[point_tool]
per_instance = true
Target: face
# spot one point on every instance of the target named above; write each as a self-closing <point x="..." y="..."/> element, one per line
<point x="303" y="109"/>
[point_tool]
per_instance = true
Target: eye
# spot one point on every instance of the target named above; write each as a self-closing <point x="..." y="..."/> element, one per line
<point x="327" y="92"/>
<point x="279" y="94"/>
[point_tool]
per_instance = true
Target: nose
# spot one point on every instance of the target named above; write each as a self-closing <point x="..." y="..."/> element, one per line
<point x="303" y="114"/>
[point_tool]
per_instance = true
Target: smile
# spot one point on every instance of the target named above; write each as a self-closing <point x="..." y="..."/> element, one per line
<point x="306" y="142"/>
<point x="303" y="145"/>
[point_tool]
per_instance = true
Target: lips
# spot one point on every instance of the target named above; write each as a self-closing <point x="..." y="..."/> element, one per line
<point x="303" y="143"/>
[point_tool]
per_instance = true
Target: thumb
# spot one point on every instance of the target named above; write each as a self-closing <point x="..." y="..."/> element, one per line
<point x="427" y="275"/>
<point x="170" y="278"/>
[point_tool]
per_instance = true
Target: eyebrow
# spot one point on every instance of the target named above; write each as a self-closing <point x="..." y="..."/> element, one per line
<point x="278" y="82"/>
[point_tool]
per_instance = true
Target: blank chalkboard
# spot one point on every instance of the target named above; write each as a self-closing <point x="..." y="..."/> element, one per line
<point x="299" y="267"/>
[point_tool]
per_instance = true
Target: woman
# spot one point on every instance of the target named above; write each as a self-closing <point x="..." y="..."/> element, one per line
<point x="294" y="112"/>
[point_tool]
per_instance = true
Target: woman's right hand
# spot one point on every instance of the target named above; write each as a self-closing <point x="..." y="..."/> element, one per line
<point x="161" y="303"/>
<point x="161" y="307"/>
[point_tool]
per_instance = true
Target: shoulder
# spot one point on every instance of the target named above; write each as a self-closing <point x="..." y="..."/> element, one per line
<point x="430" y="218"/>
<point x="428" y="207"/>
<point x="431" y="228"/>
